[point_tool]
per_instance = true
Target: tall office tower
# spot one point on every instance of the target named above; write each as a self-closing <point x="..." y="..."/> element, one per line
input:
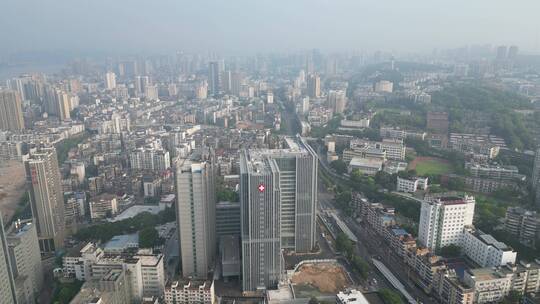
<point x="17" y="84"/>
<point x="226" y="81"/>
<point x="110" y="80"/>
<point x="442" y="220"/>
<point x="278" y="194"/>
<point x="64" y="105"/>
<point x="310" y="65"/>
<point x="25" y="256"/>
<point x="196" y="207"/>
<point x="535" y="178"/>
<point x="502" y="52"/>
<point x="236" y="83"/>
<point x="141" y="82"/>
<point x="337" y="101"/>
<point x="331" y="66"/>
<point x="11" y="117"/>
<point x="314" y="86"/>
<point x="214" y="78"/>
<point x="152" y="92"/>
<point x="46" y="197"/>
<point x="513" y="52"/>
<point x="8" y="293"/>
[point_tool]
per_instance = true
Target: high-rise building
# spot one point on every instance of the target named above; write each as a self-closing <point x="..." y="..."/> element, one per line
<point x="11" y="117"/>
<point x="141" y="82"/>
<point x="278" y="194"/>
<point x="151" y="92"/>
<point x="227" y="218"/>
<point x="25" y="257"/>
<point x="60" y="103"/>
<point x="513" y="52"/>
<point x="442" y="220"/>
<point x="46" y="197"/>
<point x="226" y="81"/>
<point x="196" y="217"/>
<point x="236" y="83"/>
<point x="337" y="101"/>
<point x="502" y="52"/>
<point x="7" y="282"/>
<point x="110" y="80"/>
<point x="214" y="77"/>
<point x="314" y="86"/>
<point x="535" y="178"/>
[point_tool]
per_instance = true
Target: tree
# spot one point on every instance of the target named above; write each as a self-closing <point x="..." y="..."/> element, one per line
<point x="360" y="266"/>
<point x="390" y="297"/>
<point x="66" y="292"/>
<point x="344" y="245"/>
<point x="513" y="297"/>
<point x="313" y="300"/>
<point x="148" y="237"/>
<point x="343" y="200"/>
<point x="339" y="165"/>
<point x="227" y="195"/>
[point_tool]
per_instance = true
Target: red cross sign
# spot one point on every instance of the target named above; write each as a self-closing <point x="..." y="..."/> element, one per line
<point x="261" y="188"/>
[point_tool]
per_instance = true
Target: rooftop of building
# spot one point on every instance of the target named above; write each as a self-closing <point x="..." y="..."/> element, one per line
<point x="485" y="274"/>
<point x="352" y="296"/>
<point x="121" y="242"/>
<point x="230" y="248"/>
<point x="360" y="161"/>
<point x="190" y="284"/>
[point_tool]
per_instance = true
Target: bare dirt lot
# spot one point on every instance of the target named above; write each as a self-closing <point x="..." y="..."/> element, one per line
<point x="12" y="187"/>
<point x="327" y="278"/>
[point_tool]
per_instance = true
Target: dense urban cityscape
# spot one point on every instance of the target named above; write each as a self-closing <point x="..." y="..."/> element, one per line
<point x="308" y="176"/>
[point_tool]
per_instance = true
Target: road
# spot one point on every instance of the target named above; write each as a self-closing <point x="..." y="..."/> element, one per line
<point x="370" y="245"/>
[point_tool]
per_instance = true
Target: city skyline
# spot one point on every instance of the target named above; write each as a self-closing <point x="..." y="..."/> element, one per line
<point x="267" y="26"/>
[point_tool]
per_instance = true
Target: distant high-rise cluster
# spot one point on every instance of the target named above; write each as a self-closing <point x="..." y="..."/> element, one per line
<point x="11" y="117"/>
<point x="535" y="179"/>
<point x="314" y="86"/>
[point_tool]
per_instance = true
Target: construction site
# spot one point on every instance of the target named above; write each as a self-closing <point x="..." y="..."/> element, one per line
<point x="320" y="279"/>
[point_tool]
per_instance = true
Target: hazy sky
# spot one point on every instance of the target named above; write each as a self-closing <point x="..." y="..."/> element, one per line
<point x="264" y="25"/>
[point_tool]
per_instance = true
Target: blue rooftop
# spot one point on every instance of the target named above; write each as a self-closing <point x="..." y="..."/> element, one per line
<point x="122" y="242"/>
<point x="399" y="231"/>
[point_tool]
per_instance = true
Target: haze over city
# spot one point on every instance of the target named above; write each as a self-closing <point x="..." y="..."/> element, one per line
<point x="269" y="152"/>
<point x="265" y="26"/>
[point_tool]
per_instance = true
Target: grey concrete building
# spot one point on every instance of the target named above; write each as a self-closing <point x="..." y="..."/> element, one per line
<point x="195" y="189"/>
<point x="11" y="117"/>
<point x="46" y="197"/>
<point x="7" y="282"/>
<point x="25" y="258"/>
<point x="278" y="195"/>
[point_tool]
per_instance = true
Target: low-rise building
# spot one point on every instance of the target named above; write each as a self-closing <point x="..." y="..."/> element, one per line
<point x="490" y="285"/>
<point x="523" y="224"/>
<point x="411" y="185"/>
<point x="190" y="292"/>
<point x="485" y="250"/>
<point x="113" y="288"/>
<point x="452" y="291"/>
<point x="144" y="270"/>
<point x="351" y="297"/>
<point x="103" y="206"/>
<point x="368" y="166"/>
